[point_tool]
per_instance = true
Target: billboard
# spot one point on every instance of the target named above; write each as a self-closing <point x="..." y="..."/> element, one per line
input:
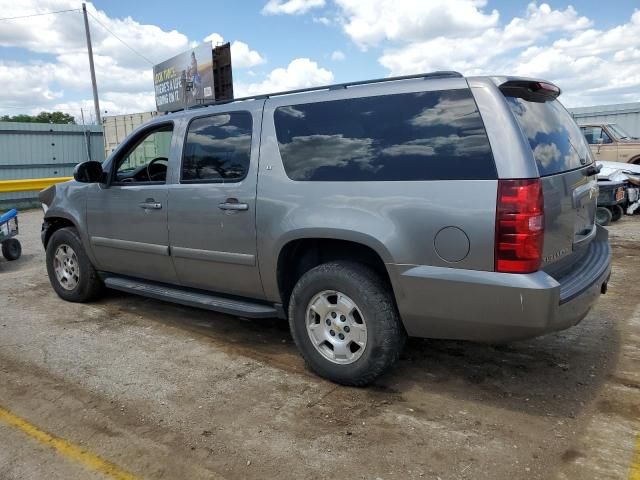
<point x="185" y="80"/>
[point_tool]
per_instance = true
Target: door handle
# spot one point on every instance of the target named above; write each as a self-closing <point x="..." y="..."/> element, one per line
<point x="233" y="204"/>
<point x="150" y="204"/>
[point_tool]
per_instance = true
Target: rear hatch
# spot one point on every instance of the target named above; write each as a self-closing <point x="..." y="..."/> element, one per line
<point x="566" y="169"/>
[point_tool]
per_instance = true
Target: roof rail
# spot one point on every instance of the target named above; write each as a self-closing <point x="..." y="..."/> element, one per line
<point x="337" y="86"/>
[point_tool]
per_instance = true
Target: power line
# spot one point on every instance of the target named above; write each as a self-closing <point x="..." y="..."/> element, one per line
<point x="121" y="41"/>
<point x="39" y="14"/>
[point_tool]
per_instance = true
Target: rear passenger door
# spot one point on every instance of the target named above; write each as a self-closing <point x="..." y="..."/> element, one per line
<point x="212" y="214"/>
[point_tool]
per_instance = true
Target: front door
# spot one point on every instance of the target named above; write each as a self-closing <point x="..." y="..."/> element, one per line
<point x="127" y="218"/>
<point x="212" y="211"/>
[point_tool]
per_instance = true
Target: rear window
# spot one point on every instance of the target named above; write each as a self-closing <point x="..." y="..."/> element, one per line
<point x="555" y="139"/>
<point x="418" y="136"/>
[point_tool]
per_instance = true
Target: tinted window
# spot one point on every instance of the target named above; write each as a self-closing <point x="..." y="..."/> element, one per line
<point x="554" y="137"/>
<point x="217" y="148"/>
<point x="418" y="136"/>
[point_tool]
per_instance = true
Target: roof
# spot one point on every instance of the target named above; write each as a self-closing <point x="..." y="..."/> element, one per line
<point x="612" y="109"/>
<point x="337" y="86"/>
<point x="443" y="74"/>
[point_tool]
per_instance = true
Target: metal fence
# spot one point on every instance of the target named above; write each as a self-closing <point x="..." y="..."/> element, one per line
<point x="41" y="150"/>
<point x="627" y="115"/>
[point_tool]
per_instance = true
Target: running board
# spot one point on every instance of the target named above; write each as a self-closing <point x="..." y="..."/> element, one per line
<point x="240" y="308"/>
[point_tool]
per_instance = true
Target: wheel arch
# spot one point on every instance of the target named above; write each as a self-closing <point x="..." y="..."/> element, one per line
<point x="55" y="222"/>
<point x="300" y="253"/>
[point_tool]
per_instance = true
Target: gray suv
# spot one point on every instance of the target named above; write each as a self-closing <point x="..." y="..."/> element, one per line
<point x="432" y="206"/>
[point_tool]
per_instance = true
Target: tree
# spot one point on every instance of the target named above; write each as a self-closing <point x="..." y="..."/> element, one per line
<point x="42" y="117"/>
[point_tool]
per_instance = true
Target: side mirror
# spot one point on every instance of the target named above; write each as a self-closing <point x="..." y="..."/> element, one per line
<point x="600" y="141"/>
<point x="88" y="172"/>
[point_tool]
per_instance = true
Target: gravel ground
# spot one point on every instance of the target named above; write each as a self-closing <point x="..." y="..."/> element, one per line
<point x="164" y="391"/>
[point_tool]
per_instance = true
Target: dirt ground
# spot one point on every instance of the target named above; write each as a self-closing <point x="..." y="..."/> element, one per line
<point x="164" y="391"/>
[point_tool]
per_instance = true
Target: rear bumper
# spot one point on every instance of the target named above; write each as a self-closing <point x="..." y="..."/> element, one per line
<point x="460" y="304"/>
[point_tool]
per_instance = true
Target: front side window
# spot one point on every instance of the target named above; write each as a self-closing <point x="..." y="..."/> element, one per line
<point x="217" y="148"/>
<point x="436" y="135"/>
<point x="595" y="135"/>
<point x="148" y="158"/>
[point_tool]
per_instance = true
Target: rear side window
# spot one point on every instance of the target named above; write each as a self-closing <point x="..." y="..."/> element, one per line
<point x="217" y="148"/>
<point x="555" y="139"/>
<point x="418" y="136"/>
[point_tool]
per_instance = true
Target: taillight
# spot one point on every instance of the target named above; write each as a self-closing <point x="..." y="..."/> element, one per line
<point x="519" y="226"/>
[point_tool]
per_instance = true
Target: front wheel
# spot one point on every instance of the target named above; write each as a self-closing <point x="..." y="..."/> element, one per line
<point x="11" y="249"/>
<point x="345" y="323"/>
<point x="70" y="271"/>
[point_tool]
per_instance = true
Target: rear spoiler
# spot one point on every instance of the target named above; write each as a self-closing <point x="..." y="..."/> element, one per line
<point x="530" y="90"/>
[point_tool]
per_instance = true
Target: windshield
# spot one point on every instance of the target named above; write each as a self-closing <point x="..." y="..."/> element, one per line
<point x="619" y="132"/>
<point x="555" y="139"/>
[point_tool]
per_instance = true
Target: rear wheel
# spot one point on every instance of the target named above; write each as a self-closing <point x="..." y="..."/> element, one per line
<point x="616" y="213"/>
<point x="70" y="271"/>
<point x="345" y="323"/>
<point x="603" y="216"/>
<point x="11" y="249"/>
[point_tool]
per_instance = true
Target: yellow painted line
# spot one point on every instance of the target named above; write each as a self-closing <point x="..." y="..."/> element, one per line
<point x="30" y="184"/>
<point x="65" y="448"/>
<point x="635" y="462"/>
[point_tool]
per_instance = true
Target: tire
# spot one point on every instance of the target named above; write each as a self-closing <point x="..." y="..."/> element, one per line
<point x="616" y="213"/>
<point x="82" y="282"/>
<point x="356" y="286"/>
<point x="11" y="249"/>
<point x="603" y="216"/>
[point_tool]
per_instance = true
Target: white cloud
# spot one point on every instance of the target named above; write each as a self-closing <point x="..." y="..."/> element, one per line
<point x="214" y="38"/>
<point x="300" y="73"/>
<point x="110" y="104"/>
<point x="290" y="7"/>
<point x="241" y="55"/>
<point x="484" y="50"/>
<point x="370" y="22"/>
<point x="64" y="33"/>
<point x="322" y="21"/>
<point x="26" y="84"/>
<point x="338" y="56"/>
<point x="124" y="78"/>
<point x="591" y="66"/>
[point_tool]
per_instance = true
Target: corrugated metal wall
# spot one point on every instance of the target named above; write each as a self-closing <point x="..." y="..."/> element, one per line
<point x="627" y="115"/>
<point x="40" y="150"/>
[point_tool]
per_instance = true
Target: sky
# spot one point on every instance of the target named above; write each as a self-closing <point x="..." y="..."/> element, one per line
<point x="591" y="49"/>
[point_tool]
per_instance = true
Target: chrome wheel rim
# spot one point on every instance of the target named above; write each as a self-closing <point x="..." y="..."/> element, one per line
<point x="336" y="327"/>
<point x="65" y="265"/>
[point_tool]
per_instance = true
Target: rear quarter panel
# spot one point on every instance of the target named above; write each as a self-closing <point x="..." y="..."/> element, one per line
<point x="399" y="220"/>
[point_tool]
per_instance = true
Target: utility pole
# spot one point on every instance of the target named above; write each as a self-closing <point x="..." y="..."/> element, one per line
<point x="86" y="134"/>
<point x="96" y="103"/>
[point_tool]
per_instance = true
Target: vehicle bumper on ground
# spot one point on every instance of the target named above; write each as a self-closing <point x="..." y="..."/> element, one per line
<point x="438" y="302"/>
